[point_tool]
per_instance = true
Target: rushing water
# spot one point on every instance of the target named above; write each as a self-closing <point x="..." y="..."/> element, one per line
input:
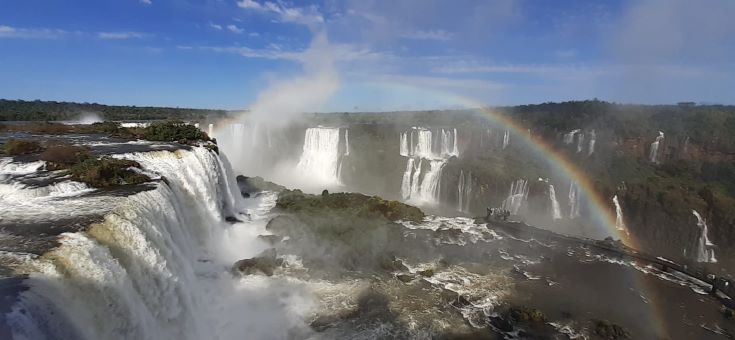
<point x="427" y="153"/>
<point x="653" y="154"/>
<point x="555" y="208"/>
<point x="321" y="158"/>
<point x="704" y="251"/>
<point x="517" y="196"/>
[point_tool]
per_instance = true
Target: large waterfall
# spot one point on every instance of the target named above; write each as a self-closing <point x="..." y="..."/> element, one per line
<point x="555" y="209"/>
<point x="573" y="200"/>
<point x="428" y="152"/>
<point x="704" y="251"/>
<point x="464" y="191"/>
<point x="157" y="266"/>
<point x="321" y="157"/>
<point x="517" y="196"/>
<point x="619" y="221"/>
<point x="653" y="155"/>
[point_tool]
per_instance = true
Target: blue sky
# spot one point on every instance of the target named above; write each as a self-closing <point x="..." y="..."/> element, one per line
<point x="369" y="55"/>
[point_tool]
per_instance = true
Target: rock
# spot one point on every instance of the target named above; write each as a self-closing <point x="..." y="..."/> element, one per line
<point x="426" y="273"/>
<point x="265" y="262"/>
<point x="607" y="330"/>
<point x="728" y="313"/>
<point x="526" y="314"/>
<point x="325" y="192"/>
<point x="249" y="186"/>
<point x="392" y="264"/>
<point x="232" y="219"/>
<point x="270" y="239"/>
<point x="501" y="324"/>
<point x="405" y="278"/>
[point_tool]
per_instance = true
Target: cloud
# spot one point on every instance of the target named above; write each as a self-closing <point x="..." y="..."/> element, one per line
<point x="215" y="26"/>
<point x="120" y="35"/>
<point x="309" y="16"/>
<point x="31" y="33"/>
<point x="235" y="29"/>
<point x="146" y="2"/>
<point x="439" y="35"/>
<point x="338" y="52"/>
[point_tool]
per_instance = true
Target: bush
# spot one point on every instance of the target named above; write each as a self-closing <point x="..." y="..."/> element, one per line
<point x="64" y="155"/>
<point x="173" y="132"/>
<point x="14" y="147"/>
<point x="107" y="171"/>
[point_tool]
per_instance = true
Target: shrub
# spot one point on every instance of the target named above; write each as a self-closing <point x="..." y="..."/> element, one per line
<point x="107" y="171"/>
<point x="64" y="155"/>
<point x="14" y="147"/>
<point x="173" y="131"/>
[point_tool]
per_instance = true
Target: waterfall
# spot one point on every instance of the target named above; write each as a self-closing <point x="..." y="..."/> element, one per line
<point x="320" y="159"/>
<point x="464" y="191"/>
<point x="347" y="143"/>
<point x="580" y="142"/>
<point x="593" y="140"/>
<point x="653" y="155"/>
<point x="210" y="131"/>
<point x="569" y="136"/>
<point x="573" y="200"/>
<point x="424" y="147"/>
<point x="555" y="209"/>
<point x="516" y="197"/>
<point x="704" y="251"/>
<point x="156" y="266"/>
<point x="619" y="221"/>
<point x="506" y="139"/>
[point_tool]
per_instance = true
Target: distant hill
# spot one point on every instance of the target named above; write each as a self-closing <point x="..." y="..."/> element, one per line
<point x="37" y="110"/>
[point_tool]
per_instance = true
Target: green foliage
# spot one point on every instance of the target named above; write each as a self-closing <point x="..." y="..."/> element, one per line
<point x="19" y="110"/>
<point x="15" y="147"/>
<point x="173" y="131"/>
<point x="106" y="172"/>
<point x="64" y="155"/>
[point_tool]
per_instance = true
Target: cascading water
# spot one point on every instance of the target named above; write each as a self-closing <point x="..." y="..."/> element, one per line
<point x="506" y="139"/>
<point x="555" y="209"/>
<point x="619" y="221"/>
<point x="593" y="140"/>
<point x="704" y="251"/>
<point x="347" y="142"/>
<point x="653" y="155"/>
<point x="464" y="191"/>
<point x="516" y="197"/>
<point x="573" y="200"/>
<point x="420" y="185"/>
<point x="156" y="266"/>
<point x="569" y="136"/>
<point x="580" y="142"/>
<point x="321" y="158"/>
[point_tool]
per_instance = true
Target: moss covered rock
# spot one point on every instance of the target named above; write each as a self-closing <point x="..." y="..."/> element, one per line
<point x="107" y="171"/>
<point x="15" y="147"/>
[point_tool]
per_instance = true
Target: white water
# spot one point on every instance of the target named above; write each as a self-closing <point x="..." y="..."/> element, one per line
<point x="210" y="130"/>
<point x="464" y="191"/>
<point x="555" y="209"/>
<point x="569" y="136"/>
<point x="619" y="221"/>
<point x="157" y="267"/>
<point x="573" y="200"/>
<point x="347" y="142"/>
<point x="653" y="155"/>
<point x="517" y="196"/>
<point x="425" y="148"/>
<point x="506" y="139"/>
<point x="580" y="143"/>
<point x="704" y="250"/>
<point x="320" y="160"/>
<point x="593" y="140"/>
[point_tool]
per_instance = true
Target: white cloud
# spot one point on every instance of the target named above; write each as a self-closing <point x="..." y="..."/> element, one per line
<point x="120" y="35"/>
<point x="31" y="33"/>
<point x="234" y="29"/>
<point x="439" y="35"/>
<point x="215" y="26"/>
<point x="309" y="16"/>
<point x="146" y="2"/>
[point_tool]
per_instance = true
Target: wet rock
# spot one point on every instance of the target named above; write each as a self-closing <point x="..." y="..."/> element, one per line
<point x="270" y="239"/>
<point x="728" y="313"/>
<point x="426" y="273"/>
<point x="526" y="314"/>
<point x="405" y="278"/>
<point x="232" y="219"/>
<point x="607" y="330"/>
<point x="392" y="264"/>
<point x="501" y="324"/>
<point x="266" y="262"/>
<point x="249" y="186"/>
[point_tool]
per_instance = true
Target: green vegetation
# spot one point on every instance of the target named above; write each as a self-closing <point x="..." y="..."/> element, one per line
<point x="15" y="147"/>
<point x="107" y="171"/>
<point x="19" y="110"/>
<point x="354" y="204"/>
<point x="173" y="131"/>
